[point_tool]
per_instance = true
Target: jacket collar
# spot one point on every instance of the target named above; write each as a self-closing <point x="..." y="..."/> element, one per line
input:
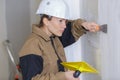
<point x="40" y="32"/>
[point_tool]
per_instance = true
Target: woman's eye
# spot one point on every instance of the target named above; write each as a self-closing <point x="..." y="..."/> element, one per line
<point x="60" y="20"/>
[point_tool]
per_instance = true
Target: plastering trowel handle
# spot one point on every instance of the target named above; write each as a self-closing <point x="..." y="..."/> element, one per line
<point x="97" y="28"/>
<point x="76" y="74"/>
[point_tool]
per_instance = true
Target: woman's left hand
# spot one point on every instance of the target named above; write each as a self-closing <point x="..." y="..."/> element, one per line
<point x="91" y="26"/>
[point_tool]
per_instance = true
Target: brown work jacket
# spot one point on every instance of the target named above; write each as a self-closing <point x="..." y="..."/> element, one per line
<point x="39" y="43"/>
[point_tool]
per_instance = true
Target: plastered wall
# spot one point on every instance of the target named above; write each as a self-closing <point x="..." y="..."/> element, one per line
<point x="90" y="41"/>
<point x="15" y="26"/>
<point x="110" y="43"/>
<point x="74" y="51"/>
<point x="18" y="22"/>
<point x="3" y="36"/>
<point x="100" y="49"/>
<point x="33" y="8"/>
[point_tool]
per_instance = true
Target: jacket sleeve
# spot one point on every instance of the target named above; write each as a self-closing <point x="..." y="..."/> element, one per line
<point x="32" y="69"/>
<point x="31" y="65"/>
<point x="77" y="29"/>
<point x="67" y="37"/>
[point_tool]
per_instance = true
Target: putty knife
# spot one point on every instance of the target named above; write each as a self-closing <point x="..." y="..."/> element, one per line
<point x="102" y="28"/>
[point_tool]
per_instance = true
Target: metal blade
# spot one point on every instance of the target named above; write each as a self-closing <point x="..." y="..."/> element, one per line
<point x="103" y="28"/>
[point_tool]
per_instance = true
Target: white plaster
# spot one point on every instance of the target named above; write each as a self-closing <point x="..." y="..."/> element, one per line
<point x="3" y="35"/>
<point x="73" y="52"/>
<point x="33" y="8"/>
<point x="109" y="13"/>
<point x="18" y="22"/>
<point x="74" y="8"/>
<point x="90" y="41"/>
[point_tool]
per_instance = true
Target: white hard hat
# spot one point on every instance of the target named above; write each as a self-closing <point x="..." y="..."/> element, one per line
<point x="56" y="8"/>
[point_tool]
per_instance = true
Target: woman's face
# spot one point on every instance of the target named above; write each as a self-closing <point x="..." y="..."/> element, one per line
<point x="56" y="26"/>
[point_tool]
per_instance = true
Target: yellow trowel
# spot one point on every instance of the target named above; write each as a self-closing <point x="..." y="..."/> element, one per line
<point x="79" y="67"/>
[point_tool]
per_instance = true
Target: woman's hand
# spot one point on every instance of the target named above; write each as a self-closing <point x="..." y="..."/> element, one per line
<point x="69" y="75"/>
<point x="90" y="26"/>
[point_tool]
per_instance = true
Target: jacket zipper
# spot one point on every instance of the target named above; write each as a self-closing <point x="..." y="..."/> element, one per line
<point x="52" y="42"/>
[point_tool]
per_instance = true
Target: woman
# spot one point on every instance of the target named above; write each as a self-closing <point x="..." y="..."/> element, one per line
<point x="43" y="52"/>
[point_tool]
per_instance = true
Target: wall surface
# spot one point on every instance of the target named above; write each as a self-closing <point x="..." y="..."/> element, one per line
<point x="33" y="8"/>
<point x="74" y="8"/>
<point x="90" y="41"/>
<point x="18" y="22"/>
<point x="74" y="51"/>
<point x="3" y="35"/>
<point x="110" y="43"/>
<point x="15" y="26"/>
<point x="101" y="50"/>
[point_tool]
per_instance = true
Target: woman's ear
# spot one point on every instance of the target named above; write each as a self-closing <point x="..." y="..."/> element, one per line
<point x="45" y="21"/>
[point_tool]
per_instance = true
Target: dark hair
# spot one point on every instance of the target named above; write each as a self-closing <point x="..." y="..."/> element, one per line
<point x="42" y="16"/>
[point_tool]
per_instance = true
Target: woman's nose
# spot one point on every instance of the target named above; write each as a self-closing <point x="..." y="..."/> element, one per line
<point x="64" y="24"/>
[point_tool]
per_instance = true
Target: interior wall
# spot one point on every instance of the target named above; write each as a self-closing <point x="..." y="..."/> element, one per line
<point x="18" y="22"/>
<point x="33" y="8"/>
<point x="74" y="51"/>
<point x="3" y="35"/>
<point x="17" y="26"/>
<point x="90" y="41"/>
<point x="109" y="13"/>
<point x="74" y="8"/>
<point x="102" y="49"/>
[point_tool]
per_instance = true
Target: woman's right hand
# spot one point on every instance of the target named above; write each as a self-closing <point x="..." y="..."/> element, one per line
<point x="69" y="75"/>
